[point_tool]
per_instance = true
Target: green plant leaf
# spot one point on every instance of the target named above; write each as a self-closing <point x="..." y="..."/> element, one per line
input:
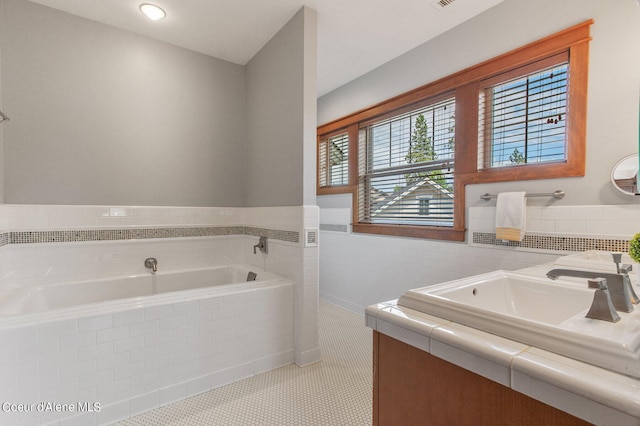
<point x="634" y="248"/>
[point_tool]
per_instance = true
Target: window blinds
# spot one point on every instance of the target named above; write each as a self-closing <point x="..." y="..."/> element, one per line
<point x="524" y="119"/>
<point x="406" y="167"/>
<point x="334" y="161"/>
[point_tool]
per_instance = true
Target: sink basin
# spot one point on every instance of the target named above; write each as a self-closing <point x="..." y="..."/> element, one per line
<point x="537" y="312"/>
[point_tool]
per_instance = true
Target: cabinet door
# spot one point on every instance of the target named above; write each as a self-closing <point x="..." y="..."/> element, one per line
<point x="412" y="387"/>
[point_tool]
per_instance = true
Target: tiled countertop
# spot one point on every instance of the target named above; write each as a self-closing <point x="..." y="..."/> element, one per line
<point x="583" y="390"/>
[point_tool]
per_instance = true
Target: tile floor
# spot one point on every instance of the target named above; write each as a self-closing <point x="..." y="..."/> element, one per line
<point x="336" y="391"/>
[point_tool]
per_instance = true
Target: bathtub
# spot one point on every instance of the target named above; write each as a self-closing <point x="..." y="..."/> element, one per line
<point x="94" y="352"/>
<point x="45" y="298"/>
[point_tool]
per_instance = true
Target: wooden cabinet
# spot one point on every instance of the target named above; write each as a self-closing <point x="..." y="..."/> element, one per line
<point x="412" y="387"/>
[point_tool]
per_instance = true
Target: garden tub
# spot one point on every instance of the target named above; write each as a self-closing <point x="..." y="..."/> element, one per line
<point x="103" y="350"/>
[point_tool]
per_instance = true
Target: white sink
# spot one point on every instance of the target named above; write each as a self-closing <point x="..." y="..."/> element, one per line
<point x="537" y="312"/>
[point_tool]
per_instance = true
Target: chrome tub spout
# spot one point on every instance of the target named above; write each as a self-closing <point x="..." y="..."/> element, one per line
<point x="151" y="263"/>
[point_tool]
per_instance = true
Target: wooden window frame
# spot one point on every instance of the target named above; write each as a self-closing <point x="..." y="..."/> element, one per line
<point x="352" y="181"/>
<point x="466" y="85"/>
<point x="489" y="83"/>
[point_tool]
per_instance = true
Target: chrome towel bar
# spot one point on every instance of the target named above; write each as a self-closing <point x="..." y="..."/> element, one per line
<point x="558" y="195"/>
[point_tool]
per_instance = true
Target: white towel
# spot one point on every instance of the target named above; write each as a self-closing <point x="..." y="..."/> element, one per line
<point x="511" y="218"/>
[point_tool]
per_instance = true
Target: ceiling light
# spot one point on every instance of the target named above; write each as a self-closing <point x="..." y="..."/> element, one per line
<point x="152" y="11"/>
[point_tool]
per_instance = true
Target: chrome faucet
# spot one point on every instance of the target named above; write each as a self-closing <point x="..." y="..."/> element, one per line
<point x="602" y="307"/>
<point x="617" y="287"/>
<point x="263" y="245"/>
<point x="624" y="271"/>
<point x="151" y="263"/>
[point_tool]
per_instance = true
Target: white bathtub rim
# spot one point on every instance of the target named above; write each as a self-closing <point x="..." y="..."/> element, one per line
<point x="119" y="305"/>
<point x="161" y="271"/>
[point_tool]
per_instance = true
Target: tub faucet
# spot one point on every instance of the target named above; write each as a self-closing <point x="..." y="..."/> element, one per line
<point x="263" y="245"/>
<point x="617" y="287"/>
<point x="151" y="263"/>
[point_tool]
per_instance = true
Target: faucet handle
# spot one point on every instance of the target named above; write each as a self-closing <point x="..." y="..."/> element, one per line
<point x="602" y="307"/>
<point x="599" y="283"/>
<point x="624" y="271"/>
<point x="617" y="257"/>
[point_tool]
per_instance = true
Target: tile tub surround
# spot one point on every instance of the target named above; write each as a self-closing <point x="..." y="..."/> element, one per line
<point x="140" y="233"/>
<point x="336" y="391"/>
<point x="48" y="262"/>
<point x="130" y="360"/>
<point x="54" y="243"/>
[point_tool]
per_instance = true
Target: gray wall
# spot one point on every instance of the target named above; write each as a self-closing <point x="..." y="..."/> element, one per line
<point x="612" y="122"/>
<point x="104" y="116"/>
<point x="281" y="117"/>
<point x="1" y="126"/>
<point x="360" y="269"/>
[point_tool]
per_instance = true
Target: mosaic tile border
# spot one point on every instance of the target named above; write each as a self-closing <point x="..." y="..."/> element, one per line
<point x="555" y="243"/>
<point x="80" y="235"/>
<point x="290" y="236"/>
<point x="334" y="227"/>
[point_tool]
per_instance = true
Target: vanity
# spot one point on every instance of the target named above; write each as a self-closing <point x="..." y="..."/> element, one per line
<point x="507" y="348"/>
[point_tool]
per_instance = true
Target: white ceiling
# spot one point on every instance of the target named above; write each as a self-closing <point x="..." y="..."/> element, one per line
<point x="354" y="36"/>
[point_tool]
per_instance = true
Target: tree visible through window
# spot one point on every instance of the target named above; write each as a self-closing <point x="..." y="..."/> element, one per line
<point x="410" y="158"/>
<point x="518" y="116"/>
<point x="422" y="150"/>
<point x="525" y="118"/>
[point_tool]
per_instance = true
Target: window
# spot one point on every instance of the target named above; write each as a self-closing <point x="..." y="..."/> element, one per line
<point x="334" y="160"/>
<point x="406" y="161"/>
<point x="406" y="157"/>
<point x="522" y="114"/>
<point x="423" y="204"/>
<point x="337" y="161"/>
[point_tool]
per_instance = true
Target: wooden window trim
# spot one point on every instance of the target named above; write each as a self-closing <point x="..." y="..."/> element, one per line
<point x="516" y="73"/>
<point x="352" y="132"/>
<point x="466" y="84"/>
<point x="455" y="233"/>
<point x="574" y="166"/>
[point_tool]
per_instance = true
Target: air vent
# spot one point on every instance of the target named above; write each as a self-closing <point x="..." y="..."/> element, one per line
<point x="310" y="237"/>
<point x="441" y="4"/>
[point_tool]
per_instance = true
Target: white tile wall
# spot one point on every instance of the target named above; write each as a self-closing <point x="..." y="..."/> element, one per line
<point x="337" y="216"/>
<point x="600" y="221"/>
<point x="157" y="355"/>
<point x="145" y="356"/>
<point x="35" y="264"/>
<point x="30" y="217"/>
<point x="358" y="270"/>
<point x="275" y="217"/>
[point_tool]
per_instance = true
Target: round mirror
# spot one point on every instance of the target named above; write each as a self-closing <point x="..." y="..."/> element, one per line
<point x="624" y="175"/>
